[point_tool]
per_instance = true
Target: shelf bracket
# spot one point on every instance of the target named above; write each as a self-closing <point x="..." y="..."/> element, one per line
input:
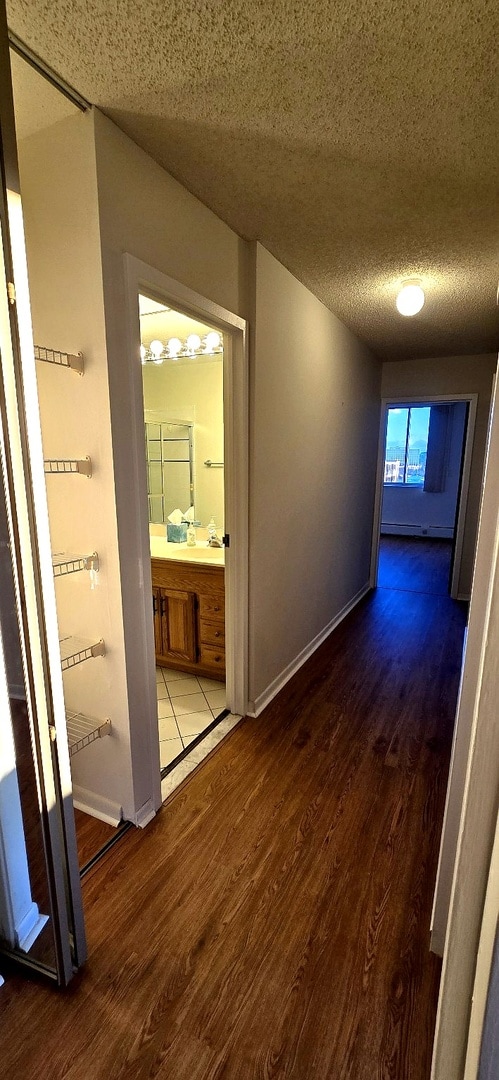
<point x="74" y="361"/>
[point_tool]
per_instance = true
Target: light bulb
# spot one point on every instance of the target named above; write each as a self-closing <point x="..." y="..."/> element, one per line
<point x="212" y="341"/>
<point x="156" y="348"/>
<point x="143" y="354"/>
<point x="174" y="346"/>
<point x="193" y="342"/>
<point x="410" y="299"/>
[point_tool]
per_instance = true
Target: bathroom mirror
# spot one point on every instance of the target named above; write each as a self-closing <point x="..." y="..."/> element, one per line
<point x="182" y="379"/>
<point x="169" y="456"/>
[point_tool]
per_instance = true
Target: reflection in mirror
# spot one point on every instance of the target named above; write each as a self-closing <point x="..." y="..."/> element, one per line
<point x="182" y="377"/>
<point x="169" y="469"/>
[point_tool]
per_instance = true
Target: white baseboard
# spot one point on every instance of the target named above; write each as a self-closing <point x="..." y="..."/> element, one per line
<point x="30" y="927"/>
<point x="144" y="815"/>
<point x="264" y="699"/>
<point x="416" y="530"/>
<point x="96" y="805"/>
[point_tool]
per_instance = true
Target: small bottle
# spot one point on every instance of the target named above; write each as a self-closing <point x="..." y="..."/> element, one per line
<point x="212" y="530"/>
<point x="191" y="535"/>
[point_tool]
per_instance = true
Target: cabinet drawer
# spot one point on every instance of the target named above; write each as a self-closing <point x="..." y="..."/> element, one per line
<point x="212" y="608"/>
<point x="212" y="633"/>
<point x="212" y="657"/>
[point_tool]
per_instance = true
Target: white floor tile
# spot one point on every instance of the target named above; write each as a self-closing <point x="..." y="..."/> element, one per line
<point x="167" y="728"/>
<point x="191" y="703"/>
<point x="169" y="750"/>
<point x="194" y="722"/>
<point x="164" y="708"/>
<point x="159" y="675"/>
<point x="186" y="739"/>
<point x="182" y="687"/>
<point x="210" y="684"/>
<point x="173" y="676"/>
<point x="161" y="691"/>
<point x="216" y="699"/>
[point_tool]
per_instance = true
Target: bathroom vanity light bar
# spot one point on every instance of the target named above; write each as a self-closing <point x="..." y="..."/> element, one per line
<point x="75" y="650"/>
<point x="175" y="349"/>
<point x="61" y="359"/>
<point x="68" y="465"/>
<point x="64" y="563"/>
<point x="83" y="730"/>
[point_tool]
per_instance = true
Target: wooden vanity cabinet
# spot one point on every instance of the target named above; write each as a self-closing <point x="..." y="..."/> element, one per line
<point x="175" y="624"/>
<point x="189" y="617"/>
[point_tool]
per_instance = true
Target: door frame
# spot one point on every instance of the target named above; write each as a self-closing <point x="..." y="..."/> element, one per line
<point x="427" y="399"/>
<point x="140" y="277"/>
<point x="467" y="842"/>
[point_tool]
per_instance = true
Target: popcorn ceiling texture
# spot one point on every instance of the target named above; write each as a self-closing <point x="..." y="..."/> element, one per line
<point x="357" y="141"/>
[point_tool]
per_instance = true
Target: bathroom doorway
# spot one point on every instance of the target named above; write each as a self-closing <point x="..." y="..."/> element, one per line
<point x="182" y="379"/>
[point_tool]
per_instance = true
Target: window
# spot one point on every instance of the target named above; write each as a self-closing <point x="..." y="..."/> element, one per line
<point x="406" y="445"/>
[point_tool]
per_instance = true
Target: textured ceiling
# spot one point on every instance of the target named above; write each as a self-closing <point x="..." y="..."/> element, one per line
<point x="357" y="141"/>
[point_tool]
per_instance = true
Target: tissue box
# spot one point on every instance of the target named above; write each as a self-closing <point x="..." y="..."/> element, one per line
<point x="176" y="534"/>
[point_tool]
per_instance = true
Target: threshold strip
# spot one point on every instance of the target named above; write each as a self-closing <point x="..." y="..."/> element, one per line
<point x="195" y="742"/>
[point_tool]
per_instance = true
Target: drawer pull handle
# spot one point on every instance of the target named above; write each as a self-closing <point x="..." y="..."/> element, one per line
<point x="217" y="633"/>
<point x="216" y="609"/>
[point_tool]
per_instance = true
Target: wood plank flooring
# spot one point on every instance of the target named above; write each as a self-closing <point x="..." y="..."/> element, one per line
<point x="273" y="921"/>
<point x="416" y="564"/>
<point x="91" y="835"/>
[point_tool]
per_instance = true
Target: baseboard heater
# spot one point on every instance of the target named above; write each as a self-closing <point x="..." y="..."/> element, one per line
<point x="394" y="529"/>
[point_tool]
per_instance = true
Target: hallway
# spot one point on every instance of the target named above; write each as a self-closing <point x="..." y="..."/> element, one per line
<point x="273" y="921"/>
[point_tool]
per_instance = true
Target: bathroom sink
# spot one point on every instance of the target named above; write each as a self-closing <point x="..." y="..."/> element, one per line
<point x="161" y="549"/>
<point x="211" y="554"/>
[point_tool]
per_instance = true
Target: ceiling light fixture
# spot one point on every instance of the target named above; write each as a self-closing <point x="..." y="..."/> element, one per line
<point x="410" y="298"/>
<point x="175" y="349"/>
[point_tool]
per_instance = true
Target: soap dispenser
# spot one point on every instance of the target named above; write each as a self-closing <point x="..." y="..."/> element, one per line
<point x="191" y="535"/>
<point x="212" y="530"/>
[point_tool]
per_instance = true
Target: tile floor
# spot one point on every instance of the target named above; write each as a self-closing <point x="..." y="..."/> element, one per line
<point x="187" y="704"/>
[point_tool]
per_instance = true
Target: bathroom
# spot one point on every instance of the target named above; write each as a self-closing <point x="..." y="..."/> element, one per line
<point x="182" y="372"/>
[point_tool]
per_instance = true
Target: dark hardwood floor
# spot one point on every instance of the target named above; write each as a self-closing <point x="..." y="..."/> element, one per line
<point x="273" y="920"/>
<point x="416" y="564"/>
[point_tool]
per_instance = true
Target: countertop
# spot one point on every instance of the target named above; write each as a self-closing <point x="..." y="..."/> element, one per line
<point x="201" y="555"/>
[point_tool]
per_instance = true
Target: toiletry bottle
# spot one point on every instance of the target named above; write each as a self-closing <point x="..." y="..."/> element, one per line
<point x="212" y="530"/>
<point x="191" y="535"/>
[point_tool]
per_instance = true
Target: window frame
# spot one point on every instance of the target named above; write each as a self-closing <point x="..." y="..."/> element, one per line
<point x="404" y="484"/>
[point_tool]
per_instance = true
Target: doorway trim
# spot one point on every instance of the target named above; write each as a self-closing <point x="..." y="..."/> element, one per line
<point x="427" y="399"/>
<point x="140" y="277"/>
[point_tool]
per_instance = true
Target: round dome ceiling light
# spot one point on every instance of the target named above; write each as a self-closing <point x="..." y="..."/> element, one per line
<point x="410" y="298"/>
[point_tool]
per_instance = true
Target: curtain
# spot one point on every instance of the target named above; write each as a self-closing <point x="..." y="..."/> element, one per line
<point x="437" y="457"/>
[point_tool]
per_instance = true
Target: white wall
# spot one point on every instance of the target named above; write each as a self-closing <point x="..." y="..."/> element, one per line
<point x="314" y="421"/>
<point x="416" y="509"/>
<point x="59" y="191"/>
<point x="143" y="211"/>
<point x="450" y="375"/>
<point x="194" y="392"/>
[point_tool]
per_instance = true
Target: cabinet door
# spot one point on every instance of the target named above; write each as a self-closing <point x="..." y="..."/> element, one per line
<point x="178" y="624"/>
